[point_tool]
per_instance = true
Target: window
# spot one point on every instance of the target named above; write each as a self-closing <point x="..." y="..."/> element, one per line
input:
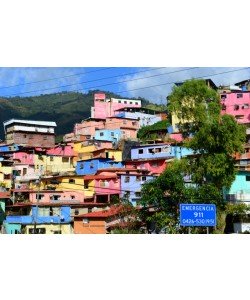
<point x="112" y="133"/>
<point x="57" y="231"/>
<point x="51" y="158"/>
<point x="127" y="179"/>
<point x="65" y="159"/>
<point x="86" y="185"/>
<point x="37" y="231"/>
<point x="101" y="134"/>
<point x="155" y="164"/>
<point x="247" y="178"/>
<point x="140" y="151"/>
<point x="136" y="103"/>
<point x="134" y="123"/>
<point x="72" y="181"/>
<point x="45" y="137"/>
<point x="239" y="95"/>
<point x="104" y="183"/>
<point x="125" y="102"/>
<point x="25" y="135"/>
<point x="154" y="150"/>
<point x="81" y="166"/>
<point x="236" y="107"/>
<point x="223" y="107"/>
<point x="39" y="196"/>
<point x="127" y="194"/>
<point x="91" y="165"/>
<point x="130" y="102"/>
<point x="72" y="197"/>
<point x="137" y="194"/>
<point x="245" y="105"/>
<point x="138" y="178"/>
<point x="143" y="178"/>
<point x="55" y="197"/>
<point x="223" y="97"/>
<point x="119" y="101"/>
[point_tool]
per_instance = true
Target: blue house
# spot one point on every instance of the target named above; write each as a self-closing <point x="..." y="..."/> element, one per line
<point x="159" y="151"/>
<point x="113" y="135"/>
<point x="38" y="215"/>
<point x="9" y="148"/>
<point x="90" y="166"/>
<point x="240" y="188"/>
<point x="131" y="186"/>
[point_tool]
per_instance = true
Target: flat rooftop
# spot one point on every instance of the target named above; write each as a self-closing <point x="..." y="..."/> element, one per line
<point x="30" y="122"/>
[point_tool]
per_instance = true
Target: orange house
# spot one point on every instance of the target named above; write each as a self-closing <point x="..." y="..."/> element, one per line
<point x="96" y="222"/>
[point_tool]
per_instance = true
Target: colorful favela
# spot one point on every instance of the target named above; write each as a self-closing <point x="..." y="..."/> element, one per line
<point x="91" y="182"/>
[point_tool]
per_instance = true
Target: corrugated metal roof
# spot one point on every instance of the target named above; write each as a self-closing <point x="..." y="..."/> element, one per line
<point x="44" y="123"/>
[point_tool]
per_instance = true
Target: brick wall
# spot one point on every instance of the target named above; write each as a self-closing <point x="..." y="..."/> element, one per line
<point x="33" y="139"/>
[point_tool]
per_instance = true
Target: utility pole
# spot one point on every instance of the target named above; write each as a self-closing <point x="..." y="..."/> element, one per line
<point x="37" y="200"/>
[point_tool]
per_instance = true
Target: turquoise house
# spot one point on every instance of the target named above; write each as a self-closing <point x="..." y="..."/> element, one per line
<point x="240" y="188"/>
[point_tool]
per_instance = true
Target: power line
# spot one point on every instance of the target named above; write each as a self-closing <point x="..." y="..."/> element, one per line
<point x="167" y="83"/>
<point x="209" y="75"/>
<point x="55" y="78"/>
<point x="102" y="85"/>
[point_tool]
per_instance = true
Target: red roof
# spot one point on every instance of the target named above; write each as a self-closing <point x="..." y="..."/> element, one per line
<point x="4" y="195"/>
<point x="90" y="177"/>
<point x="114" y="210"/>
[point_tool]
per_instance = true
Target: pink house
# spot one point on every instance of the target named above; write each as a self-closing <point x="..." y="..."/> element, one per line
<point x="24" y="167"/>
<point x="47" y="196"/>
<point x="154" y="166"/>
<point x="236" y="104"/>
<point x="128" y="126"/>
<point x="60" y="150"/>
<point x="88" y="127"/>
<point x="24" y="158"/>
<point x="104" y="107"/>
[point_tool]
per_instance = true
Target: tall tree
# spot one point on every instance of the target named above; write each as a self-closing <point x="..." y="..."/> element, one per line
<point x="215" y="139"/>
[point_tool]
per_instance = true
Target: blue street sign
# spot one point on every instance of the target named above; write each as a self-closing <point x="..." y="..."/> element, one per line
<point x="197" y="215"/>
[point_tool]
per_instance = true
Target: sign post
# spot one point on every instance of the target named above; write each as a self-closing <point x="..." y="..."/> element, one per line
<point x="202" y="215"/>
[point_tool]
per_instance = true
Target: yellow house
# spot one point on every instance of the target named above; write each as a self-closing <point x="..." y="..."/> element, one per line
<point x="6" y="174"/>
<point x="48" y="164"/>
<point x="88" y="149"/>
<point x="69" y="185"/>
<point x="50" y="228"/>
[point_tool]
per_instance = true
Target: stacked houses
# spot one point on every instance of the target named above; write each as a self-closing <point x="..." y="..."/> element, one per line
<point x="70" y="187"/>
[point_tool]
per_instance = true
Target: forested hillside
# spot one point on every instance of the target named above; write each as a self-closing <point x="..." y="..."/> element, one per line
<point x="66" y="108"/>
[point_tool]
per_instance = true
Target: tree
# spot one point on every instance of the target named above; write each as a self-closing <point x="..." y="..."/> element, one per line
<point x="215" y="140"/>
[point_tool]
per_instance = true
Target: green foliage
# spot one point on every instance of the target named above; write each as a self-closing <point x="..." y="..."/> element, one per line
<point x="193" y="101"/>
<point x="150" y="132"/>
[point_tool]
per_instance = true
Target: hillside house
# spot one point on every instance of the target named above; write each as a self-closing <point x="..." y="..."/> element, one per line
<point x="30" y="133"/>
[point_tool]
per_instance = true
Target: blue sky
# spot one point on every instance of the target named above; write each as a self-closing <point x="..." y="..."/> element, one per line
<point x="131" y="82"/>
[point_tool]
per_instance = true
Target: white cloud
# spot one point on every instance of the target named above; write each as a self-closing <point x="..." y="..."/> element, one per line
<point x="158" y="94"/>
<point x="18" y="76"/>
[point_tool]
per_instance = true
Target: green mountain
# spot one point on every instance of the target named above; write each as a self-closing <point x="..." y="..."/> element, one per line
<point x="65" y="108"/>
